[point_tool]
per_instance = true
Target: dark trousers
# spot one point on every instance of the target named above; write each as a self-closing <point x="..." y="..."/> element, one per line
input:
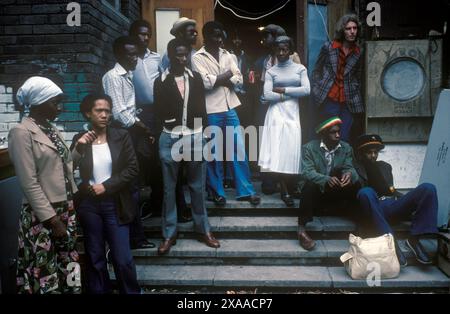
<point x="312" y="199"/>
<point x="420" y="203"/>
<point x="99" y="221"/>
<point x="149" y="174"/>
<point x="137" y="235"/>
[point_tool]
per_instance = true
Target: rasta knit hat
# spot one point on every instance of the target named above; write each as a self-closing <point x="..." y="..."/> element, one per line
<point x="328" y="123"/>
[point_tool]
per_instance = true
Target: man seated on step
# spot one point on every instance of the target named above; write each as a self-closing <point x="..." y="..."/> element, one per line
<point x="329" y="176"/>
<point x="382" y="204"/>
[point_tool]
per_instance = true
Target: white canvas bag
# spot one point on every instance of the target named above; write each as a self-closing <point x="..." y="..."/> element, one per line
<point x="379" y="252"/>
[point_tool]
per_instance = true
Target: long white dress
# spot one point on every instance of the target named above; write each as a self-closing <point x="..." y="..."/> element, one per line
<point x="281" y="137"/>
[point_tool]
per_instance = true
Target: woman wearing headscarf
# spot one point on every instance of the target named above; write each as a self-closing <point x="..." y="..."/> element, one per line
<point x="47" y="258"/>
<point x="284" y="84"/>
<point x="108" y="166"/>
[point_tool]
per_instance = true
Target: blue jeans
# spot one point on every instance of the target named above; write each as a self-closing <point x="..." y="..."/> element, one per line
<point x="241" y="169"/>
<point x="195" y="175"/>
<point x="333" y="108"/>
<point x="421" y="203"/>
<point x="99" y="222"/>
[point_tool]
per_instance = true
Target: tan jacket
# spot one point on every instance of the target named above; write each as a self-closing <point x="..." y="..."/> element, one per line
<point x="39" y="168"/>
<point x="218" y="99"/>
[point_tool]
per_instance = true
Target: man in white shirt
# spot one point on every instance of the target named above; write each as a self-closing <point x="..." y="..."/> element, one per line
<point x="147" y="70"/>
<point x="118" y="84"/>
<point x="148" y="66"/>
<point x="220" y="75"/>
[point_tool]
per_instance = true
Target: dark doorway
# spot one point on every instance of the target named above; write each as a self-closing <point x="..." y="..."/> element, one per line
<point x="248" y="29"/>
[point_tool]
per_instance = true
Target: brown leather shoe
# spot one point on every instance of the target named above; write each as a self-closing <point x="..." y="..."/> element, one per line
<point x="305" y="241"/>
<point x="165" y="245"/>
<point x="209" y="240"/>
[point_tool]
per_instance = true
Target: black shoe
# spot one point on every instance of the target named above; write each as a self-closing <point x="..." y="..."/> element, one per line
<point x="220" y="200"/>
<point x="143" y="245"/>
<point x="416" y="247"/>
<point x="288" y="200"/>
<point x="401" y="257"/>
<point x="253" y="199"/>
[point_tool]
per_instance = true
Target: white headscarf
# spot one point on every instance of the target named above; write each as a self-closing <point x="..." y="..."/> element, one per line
<point x="37" y="90"/>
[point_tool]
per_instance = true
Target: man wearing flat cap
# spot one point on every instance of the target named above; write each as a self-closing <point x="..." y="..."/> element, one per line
<point x="382" y="205"/>
<point x="327" y="168"/>
<point x="185" y="29"/>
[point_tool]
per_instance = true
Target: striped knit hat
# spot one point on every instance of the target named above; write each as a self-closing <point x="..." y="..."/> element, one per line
<point x="328" y="123"/>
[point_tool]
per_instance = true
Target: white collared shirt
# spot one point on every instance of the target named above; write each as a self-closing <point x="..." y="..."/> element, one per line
<point x="329" y="155"/>
<point x="182" y="129"/>
<point x="118" y="84"/>
<point x="147" y="71"/>
<point x="218" y="99"/>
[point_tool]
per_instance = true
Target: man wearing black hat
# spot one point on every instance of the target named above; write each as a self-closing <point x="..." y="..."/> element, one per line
<point x="327" y="168"/>
<point x="382" y="204"/>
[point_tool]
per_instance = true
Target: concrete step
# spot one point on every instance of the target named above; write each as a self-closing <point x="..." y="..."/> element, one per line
<point x="316" y="277"/>
<point x="267" y="227"/>
<point x="270" y="204"/>
<point x="258" y="252"/>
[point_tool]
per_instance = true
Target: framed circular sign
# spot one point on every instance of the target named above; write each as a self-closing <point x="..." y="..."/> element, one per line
<point x="403" y="79"/>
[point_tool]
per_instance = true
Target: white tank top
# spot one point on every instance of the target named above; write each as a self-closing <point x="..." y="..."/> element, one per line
<point x="102" y="163"/>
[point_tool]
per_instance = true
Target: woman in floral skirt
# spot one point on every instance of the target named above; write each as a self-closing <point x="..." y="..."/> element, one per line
<point x="47" y="258"/>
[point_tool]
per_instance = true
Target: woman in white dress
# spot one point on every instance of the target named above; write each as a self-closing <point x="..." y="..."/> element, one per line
<point x="284" y="84"/>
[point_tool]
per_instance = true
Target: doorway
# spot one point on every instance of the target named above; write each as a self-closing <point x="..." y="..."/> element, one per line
<point x="235" y="14"/>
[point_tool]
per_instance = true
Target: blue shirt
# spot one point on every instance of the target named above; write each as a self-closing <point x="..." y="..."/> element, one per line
<point x="147" y="71"/>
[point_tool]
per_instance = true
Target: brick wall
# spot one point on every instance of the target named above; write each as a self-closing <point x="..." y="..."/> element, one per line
<point x="36" y="40"/>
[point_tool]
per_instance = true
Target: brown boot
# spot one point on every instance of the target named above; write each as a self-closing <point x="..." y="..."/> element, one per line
<point x="165" y="245"/>
<point x="209" y="240"/>
<point x="305" y="241"/>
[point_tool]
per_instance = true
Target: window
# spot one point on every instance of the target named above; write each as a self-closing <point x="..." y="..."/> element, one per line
<point x="119" y="7"/>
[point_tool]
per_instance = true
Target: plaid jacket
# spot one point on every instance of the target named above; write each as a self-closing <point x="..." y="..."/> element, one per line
<point x="325" y="72"/>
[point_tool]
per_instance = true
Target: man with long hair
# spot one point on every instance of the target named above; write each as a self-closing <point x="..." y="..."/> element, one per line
<point x="337" y="75"/>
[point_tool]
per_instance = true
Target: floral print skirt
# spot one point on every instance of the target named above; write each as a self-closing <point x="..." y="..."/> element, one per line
<point x="47" y="265"/>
